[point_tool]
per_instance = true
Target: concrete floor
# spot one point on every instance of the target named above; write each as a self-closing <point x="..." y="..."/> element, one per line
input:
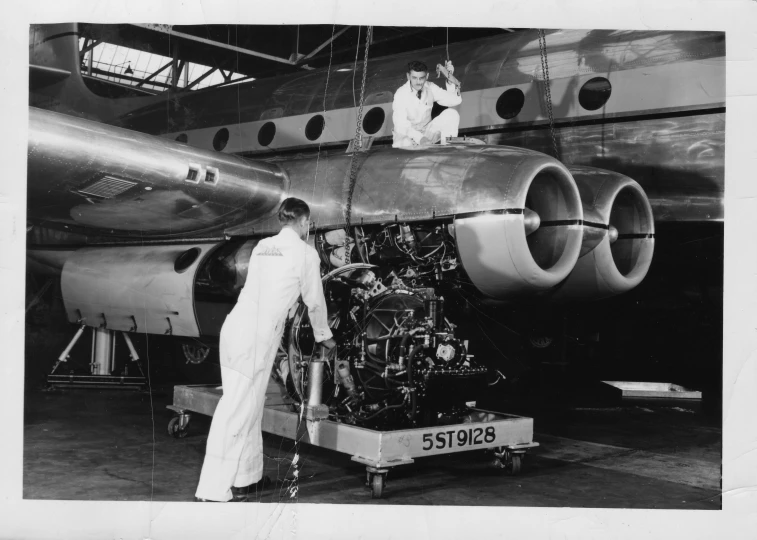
<point x="113" y="445"/>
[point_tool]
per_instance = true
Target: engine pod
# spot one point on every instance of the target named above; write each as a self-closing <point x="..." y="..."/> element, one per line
<point x="532" y="244"/>
<point x="144" y="288"/>
<point x="619" y="240"/>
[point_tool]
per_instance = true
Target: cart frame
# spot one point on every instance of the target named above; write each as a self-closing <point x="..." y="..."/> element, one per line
<point x="508" y="435"/>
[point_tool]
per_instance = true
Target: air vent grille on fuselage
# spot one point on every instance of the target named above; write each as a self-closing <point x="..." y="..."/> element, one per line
<point x="108" y="187"/>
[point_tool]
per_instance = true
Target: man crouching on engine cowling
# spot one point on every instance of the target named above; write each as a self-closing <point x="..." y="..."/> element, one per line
<point x="412" y="106"/>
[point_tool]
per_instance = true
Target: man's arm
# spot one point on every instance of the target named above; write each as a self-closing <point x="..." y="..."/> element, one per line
<point x="402" y="125"/>
<point x="311" y="290"/>
<point x="447" y="98"/>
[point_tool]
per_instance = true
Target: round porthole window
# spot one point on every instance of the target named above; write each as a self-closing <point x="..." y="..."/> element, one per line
<point x="221" y="139"/>
<point x="186" y="259"/>
<point x="373" y="120"/>
<point x="266" y="134"/>
<point x="314" y="127"/>
<point x="182" y="138"/>
<point x="594" y="93"/>
<point x="510" y="103"/>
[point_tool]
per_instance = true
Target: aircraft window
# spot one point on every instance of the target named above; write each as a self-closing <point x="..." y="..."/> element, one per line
<point x="185" y="260"/>
<point x="373" y="120"/>
<point x="594" y="93"/>
<point x="266" y="134"/>
<point x="193" y="174"/>
<point x="211" y="176"/>
<point x="314" y="127"/>
<point x="183" y="138"/>
<point x="510" y="103"/>
<point x="221" y="139"/>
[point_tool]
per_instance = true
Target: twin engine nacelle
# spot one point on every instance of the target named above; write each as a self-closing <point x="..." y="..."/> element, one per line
<point x="577" y="233"/>
<point x="525" y="226"/>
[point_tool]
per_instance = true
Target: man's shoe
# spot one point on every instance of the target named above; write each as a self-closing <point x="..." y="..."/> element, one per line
<point x="198" y="499"/>
<point x="244" y="493"/>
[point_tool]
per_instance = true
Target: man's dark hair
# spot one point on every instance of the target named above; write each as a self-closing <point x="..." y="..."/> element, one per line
<point x="292" y="209"/>
<point x="415" y="65"/>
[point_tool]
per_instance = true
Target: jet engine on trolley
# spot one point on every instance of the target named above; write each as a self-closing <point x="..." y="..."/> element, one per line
<point x="398" y="360"/>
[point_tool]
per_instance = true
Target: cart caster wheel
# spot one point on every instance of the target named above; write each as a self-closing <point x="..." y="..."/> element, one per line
<point x="377" y="486"/>
<point x="515" y="465"/>
<point x="175" y="430"/>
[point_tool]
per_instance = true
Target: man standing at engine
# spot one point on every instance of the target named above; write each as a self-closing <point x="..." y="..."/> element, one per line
<point x="412" y="107"/>
<point x="281" y="269"/>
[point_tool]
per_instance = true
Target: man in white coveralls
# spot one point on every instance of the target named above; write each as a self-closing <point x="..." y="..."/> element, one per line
<point x="281" y="269"/>
<point x="411" y="109"/>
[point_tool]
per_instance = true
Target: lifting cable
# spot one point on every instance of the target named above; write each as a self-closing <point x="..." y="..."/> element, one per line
<point x="547" y="92"/>
<point x="447" y="45"/>
<point x="291" y="485"/>
<point x="357" y="142"/>
<point x="325" y="96"/>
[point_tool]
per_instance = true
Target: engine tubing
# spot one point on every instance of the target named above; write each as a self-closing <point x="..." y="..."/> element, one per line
<point x="413" y="398"/>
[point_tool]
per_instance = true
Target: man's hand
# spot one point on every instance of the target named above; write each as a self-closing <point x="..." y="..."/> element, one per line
<point x="329" y="343"/>
<point x="450" y="68"/>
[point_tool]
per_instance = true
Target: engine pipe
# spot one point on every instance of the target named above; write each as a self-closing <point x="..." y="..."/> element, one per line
<point x="410" y="368"/>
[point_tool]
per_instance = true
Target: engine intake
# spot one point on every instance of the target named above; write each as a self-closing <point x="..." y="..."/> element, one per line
<point x="530" y="246"/>
<point x="619" y="242"/>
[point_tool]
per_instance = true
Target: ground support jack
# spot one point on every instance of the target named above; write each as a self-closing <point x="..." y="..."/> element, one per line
<point x="508" y="435"/>
<point x="102" y="364"/>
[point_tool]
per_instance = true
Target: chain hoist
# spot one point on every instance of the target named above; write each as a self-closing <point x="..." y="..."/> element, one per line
<point x="547" y="92"/>
<point x="357" y="142"/>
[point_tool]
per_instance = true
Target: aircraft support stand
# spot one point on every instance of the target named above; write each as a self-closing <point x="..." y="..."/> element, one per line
<point x="102" y="364"/>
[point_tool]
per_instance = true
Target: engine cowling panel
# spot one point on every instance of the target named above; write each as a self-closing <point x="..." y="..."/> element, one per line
<point x="134" y="288"/>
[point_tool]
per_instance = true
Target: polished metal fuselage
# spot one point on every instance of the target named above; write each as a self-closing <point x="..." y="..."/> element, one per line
<point x="663" y="124"/>
<point x="94" y="176"/>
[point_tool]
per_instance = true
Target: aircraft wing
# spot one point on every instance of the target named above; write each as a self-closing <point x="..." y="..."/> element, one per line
<point x="87" y="176"/>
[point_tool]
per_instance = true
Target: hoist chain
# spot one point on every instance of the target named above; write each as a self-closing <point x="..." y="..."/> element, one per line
<point x="547" y="92"/>
<point x="358" y="141"/>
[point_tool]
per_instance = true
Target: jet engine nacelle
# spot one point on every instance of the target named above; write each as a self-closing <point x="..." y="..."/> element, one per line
<point x="531" y="245"/>
<point x="618" y="236"/>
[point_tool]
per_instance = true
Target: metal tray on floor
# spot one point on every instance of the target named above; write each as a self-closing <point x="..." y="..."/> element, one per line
<point x="655" y="390"/>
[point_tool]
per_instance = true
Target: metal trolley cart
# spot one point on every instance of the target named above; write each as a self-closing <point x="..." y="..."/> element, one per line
<point x="508" y="435"/>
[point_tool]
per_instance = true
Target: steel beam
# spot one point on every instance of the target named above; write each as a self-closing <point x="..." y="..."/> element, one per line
<point x="322" y="45"/>
<point x="377" y="41"/>
<point x="201" y="78"/>
<point x="139" y="90"/>
<point x="37" y="297"/>
<point x="228" y="82"/>
<point x="158" y="72"/>
<point x="166" y="29"/>
<point x="175" y="66"/>
<point x="98" y="71"/>
<point x="88" y="46"/>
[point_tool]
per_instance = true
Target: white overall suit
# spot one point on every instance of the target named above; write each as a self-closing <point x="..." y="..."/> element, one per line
<point x="411" y="114"/>
<point x="281" y="269"/>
